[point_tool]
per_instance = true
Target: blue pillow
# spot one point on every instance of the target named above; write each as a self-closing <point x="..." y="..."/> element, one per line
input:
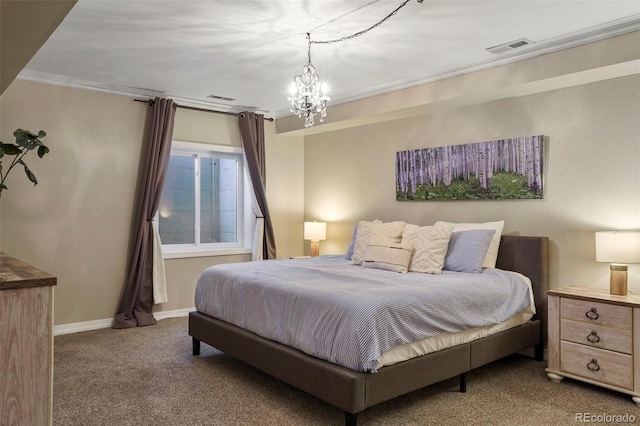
<point x="467" y="250"/>
<point x="353" y="243"/>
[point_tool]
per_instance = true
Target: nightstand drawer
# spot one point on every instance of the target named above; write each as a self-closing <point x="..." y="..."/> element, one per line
<point x="595" y="335"/>
<point x="596" y="313"/>
<point x="597" y="364"/>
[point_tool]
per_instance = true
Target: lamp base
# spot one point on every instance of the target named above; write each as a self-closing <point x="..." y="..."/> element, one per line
<point x="315" y="249"/>
<point x="618" y="282"/>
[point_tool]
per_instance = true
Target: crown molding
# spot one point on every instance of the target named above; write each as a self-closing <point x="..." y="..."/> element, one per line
<point x="131" y="92"/>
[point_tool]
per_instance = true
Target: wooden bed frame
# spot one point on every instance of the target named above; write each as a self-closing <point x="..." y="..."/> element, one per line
<point x="353" y="391"/>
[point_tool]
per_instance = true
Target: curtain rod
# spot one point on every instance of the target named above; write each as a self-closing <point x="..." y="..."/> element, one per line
<point x="150" y="103"/>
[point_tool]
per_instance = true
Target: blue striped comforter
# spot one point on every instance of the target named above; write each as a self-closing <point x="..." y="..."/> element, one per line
<point x="350" y="315"/>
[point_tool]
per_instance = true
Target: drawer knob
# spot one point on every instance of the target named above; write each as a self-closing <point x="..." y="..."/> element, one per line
<point x="593" y="337"/>
<point x="593" y="365"/>
<point x="592" y="314"/>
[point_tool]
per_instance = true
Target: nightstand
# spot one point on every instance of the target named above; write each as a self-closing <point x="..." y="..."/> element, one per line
<point x="595" y="337"/>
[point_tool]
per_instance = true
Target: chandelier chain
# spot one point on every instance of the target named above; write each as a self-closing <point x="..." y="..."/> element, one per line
<point x="359" y="33"/>
<point x="308" y="93"/>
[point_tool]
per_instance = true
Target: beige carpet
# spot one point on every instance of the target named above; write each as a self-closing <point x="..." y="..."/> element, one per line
<point x="147" y="376"/>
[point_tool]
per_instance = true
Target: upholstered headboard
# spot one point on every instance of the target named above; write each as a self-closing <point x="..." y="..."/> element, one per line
<point x="529" y="256"/>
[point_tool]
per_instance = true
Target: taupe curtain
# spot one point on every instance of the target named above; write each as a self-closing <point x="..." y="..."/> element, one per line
<point x="136" y="302"/>
<point x="252" y="131"/>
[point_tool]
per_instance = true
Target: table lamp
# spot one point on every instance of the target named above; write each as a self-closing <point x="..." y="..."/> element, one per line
<point x="618" y="248"/>
<point x="315" y="231"/>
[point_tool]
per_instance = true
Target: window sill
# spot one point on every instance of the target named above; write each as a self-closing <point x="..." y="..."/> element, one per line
<point x="205" y="253"/>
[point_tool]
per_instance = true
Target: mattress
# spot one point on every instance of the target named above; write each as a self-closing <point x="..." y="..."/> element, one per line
<point x="447" y="340"/>
<point x="351" y="315"/>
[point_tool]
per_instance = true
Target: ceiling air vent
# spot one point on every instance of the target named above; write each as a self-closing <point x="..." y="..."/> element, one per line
<point x="220" y="98"/>
<point x="505" y="47"/>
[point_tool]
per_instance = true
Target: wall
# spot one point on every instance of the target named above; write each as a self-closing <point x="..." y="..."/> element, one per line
<point x="592" y="172"/>
<point x="75" y="223"/>
<point x="285" y="190"/>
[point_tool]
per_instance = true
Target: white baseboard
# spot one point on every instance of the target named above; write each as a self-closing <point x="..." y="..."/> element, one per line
<point x="77" y="327"/>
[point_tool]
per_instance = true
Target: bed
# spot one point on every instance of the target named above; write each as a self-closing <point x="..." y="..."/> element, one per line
<point x="355" y="389"/>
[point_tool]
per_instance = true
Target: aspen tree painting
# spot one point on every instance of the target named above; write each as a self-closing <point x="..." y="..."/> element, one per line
<point x="495" y="170"/>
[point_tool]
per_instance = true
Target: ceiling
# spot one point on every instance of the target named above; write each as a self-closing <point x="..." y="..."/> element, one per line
<point x="249" y="51"/>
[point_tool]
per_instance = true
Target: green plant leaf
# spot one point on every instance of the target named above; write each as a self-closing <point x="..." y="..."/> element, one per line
<point x="25" y="139"/>
<point x="25" y="143"/>
<point x="42" y="150"/>
<point x="24" y="134"/>
<point x="10" y="149"/>
<point x="29" y="173"/>
<point x="42" y="134"/>
<point x="20" y="134"/>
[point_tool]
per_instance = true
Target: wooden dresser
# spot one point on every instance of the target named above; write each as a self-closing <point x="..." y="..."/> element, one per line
<point x="595" y="337"/>
<point x="26" y="344"/>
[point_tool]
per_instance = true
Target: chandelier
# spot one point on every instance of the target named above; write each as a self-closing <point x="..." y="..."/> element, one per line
<point x="308" y="94"/>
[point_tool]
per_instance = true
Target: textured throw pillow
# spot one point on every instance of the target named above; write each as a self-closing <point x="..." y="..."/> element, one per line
<point x="388" y="256"/>
<point x="492" y="253"/>
<point x="430" y="244"/>
<point x="467" y="250"/>
<point x="353" y="241"/>
<point x="370" y="231"/>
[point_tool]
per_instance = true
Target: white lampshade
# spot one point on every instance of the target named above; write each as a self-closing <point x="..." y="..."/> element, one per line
<point x="315" y="231"/>
<point x="618" y="247"/>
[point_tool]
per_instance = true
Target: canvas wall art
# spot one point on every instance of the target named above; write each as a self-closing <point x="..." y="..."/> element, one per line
<point x="495" y="170"/>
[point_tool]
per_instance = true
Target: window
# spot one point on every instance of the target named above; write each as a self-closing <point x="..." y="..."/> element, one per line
<point x="202" y="208"/>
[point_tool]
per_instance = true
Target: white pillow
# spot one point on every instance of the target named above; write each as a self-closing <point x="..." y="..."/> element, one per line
<point x="430" y="245"/>
<point x="370" y="231"/>
<point x="492" y="254"/>
<point x="388" y="256"/>
<point x="353" y="241"/>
